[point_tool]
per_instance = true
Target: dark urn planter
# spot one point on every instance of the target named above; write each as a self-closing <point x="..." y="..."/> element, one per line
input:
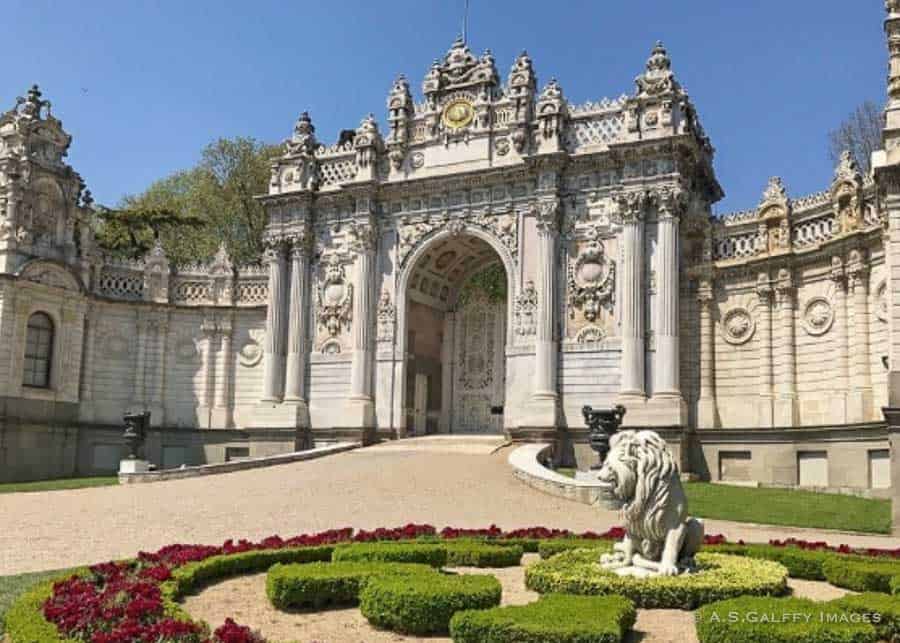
<point x="135" y="432"/>
<point x="603" y="424"/>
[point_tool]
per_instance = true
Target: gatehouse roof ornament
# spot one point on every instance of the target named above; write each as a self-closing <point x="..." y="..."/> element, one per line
<point x="461" y="69"/>
<point x="658" y="78"/>
<point x="847" y="170"/>
<point x="303" y="140"/>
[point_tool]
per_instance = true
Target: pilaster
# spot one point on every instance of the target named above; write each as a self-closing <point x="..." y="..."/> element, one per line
<point x="707" y="411"/>
<point x="222" y="412"/>
<point x="784" y="353"/>
<point x="841" y="379"/>
<point x="361" y="403"/>
<point x="274" y="358"/>
<point x="295" y="388"/>
<point x="633" y="387"/>
<point x="859" y="398"/>
<point x="764" y="293"/>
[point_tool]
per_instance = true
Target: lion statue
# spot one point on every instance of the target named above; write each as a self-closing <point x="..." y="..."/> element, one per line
<point x="642" y="481"/>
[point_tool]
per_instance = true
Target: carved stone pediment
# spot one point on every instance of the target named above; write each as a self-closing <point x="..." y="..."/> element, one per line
<point x="50" y="274"/>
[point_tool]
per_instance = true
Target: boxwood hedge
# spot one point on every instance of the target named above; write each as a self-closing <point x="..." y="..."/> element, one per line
<point x="861" y="575"/>
<point x="755" y="619"/>
<point x="719" y="577"/>
<point x="555" y="618"/>
<point x="474" y="554"/>
<point x="318" y="585"/>
<point x="884" y="608"/>
<point x="392" y="552"/>
<point x="25" y="620"/>
<point x="425" y="604"/>
<point x="895" y="586"/>
<point x="550" y="548"/>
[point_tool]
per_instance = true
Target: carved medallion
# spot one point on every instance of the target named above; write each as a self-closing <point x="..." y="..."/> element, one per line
<point x="592" y="280"/>
<point x="818" y="316"/>
<point x="738" y="326"/>
<point x="251" y="353"/>
<point x="458" y="114"/>
<point x="501" y="146"/>
<point x="417" y="160"/>
<point x="590" y="334"/>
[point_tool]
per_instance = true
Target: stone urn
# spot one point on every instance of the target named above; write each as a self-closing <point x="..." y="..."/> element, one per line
<point x="135" y="432"/>
<point x="603" y="424"/>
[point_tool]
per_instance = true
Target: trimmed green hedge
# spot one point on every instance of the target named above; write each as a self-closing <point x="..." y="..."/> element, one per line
<point x="320" y="584"/>
<point x="548" y="548"/>
<point x="719" y="577"/>
<point x="474" y="554"/>
<point x="861" y="575"/>
<point x="193" y="576"/>
<point x="895" y="586"/>
<point x="425" y="604"/>
<point x="807" y="564"/>
<point x="25" y="620"/>
<point x="886" y="607"/>
<point x="555" y="618"/>
<point x="754" y="619"/>
<point x="424" y="553"/>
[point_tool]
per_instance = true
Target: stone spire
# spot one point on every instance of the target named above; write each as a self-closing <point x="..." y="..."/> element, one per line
<point x="303" y="140"/>
<point x="658" y="78"/>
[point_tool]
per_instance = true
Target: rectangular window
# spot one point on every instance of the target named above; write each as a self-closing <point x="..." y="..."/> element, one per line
<point x="734" y="466"/>
<point x="879" y="469"/>
<point x="38" y="351"/>
<point x="812" y="468"/>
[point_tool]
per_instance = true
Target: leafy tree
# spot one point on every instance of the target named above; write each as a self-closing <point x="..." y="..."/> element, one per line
<point x="491" y="280"/>
<point x="860" y="133"/>
<point x="193" y="211"/>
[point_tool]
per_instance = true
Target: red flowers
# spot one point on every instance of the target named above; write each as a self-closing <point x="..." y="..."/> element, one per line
<point x="122" y="602"/>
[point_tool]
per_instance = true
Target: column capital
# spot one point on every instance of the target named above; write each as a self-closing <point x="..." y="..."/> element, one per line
<point x="362" y="235"/>
<point x="300" y="240"/>
<point x="633" y="205"/>
<point x="275" y="251"/>
<point x="705" y="291"/>
<point x="838" y="274"/>
<point x="672" y="202"/>
<point x="764" y="289"/>
<point x="547" y="215"/>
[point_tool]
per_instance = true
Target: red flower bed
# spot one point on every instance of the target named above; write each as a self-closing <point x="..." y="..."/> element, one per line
<point x="122" y="602"/>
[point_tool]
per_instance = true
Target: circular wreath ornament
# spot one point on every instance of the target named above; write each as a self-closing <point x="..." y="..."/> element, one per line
<point x="818" y="316"/>
<point x="738" y="326"/>
<point x="718" y="577"/>
<point x="458" y="114"/>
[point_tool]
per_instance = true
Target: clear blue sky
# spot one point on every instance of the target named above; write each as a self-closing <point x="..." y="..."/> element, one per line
<point x="143" y="85"/>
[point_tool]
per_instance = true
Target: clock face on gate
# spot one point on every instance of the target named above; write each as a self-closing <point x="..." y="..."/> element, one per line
<point x="458" y="114"/>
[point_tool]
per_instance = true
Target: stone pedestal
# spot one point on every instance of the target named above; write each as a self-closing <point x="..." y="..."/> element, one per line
<point x="272" y="415"/>
<point x="130" y="465"/>
<point x="892" y="415"/>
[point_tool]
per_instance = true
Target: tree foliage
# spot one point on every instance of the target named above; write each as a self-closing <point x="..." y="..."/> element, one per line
<point x="193" y="211"/>
<point x="860" y="133"/>
<point x="491" y="281"/>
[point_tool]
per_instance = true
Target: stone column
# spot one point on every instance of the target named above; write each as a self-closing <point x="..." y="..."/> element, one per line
<point x="447" y="354"/>
<point x="88" y="362"/>
<point x="841" y="380"/>
<point x="8" y="246"/>
<point x="160" y="329"/>
<point x="362" y="408"/>
<point x="667" y="364"/>
<point x="273" y="384"/>
<point x="784" y="352"/>
<point x="764" y="293"/>
<point x="707" y="413"/>
<point x="633" y="348"/>
<point x="295" y="389"/>
<point x="860" y="401"/>
<point x="545" y="344"/>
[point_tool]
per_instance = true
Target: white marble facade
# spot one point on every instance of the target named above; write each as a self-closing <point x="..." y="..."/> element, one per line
<point x="621" y="285"/>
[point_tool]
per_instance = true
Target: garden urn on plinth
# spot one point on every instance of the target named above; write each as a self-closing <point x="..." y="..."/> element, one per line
<point x="603" y="424"/>
<point x="135" y="433"/>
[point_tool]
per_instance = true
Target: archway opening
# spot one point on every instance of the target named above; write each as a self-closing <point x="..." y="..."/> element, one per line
<point x="456" y="330"/>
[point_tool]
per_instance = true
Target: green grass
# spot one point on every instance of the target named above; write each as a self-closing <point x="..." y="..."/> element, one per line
<point x="11" y="587"/>
<point x="55" y="485"/>
<point x="788" y="507"/>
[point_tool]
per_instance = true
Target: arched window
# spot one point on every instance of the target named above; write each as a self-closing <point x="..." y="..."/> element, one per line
<point x="38" y="351"/>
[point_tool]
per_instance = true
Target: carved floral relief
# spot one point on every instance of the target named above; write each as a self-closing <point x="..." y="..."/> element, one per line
<point x="818" y="316"/>
<point x="738" y="326"/>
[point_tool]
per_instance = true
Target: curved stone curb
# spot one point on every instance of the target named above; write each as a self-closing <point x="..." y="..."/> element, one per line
<point x="243" y="465"/>
<point x="526" y="464"/>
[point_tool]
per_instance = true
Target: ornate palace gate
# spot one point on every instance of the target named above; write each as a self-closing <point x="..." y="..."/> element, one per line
<point x="478" y="375"/>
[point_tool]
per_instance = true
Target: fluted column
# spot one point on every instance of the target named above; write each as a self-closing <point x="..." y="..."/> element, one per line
<point x="547" y="220"/>
<point x="632" y="318"/>
<point x="859" y="402"/>
<point x="841" y="379"/>
<point x="273" y="384"/>
<point x="784" y="352"/>
<point x="667" y="367"/>
<point x="295" y="387"/>
<point x="764" y="293"/>
<point x="707" y="413"/>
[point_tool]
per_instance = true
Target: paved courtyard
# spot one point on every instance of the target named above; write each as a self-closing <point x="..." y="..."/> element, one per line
<point x="424" y="481"/>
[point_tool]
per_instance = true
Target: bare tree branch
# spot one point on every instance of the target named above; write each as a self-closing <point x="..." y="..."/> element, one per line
<point x="860" y="133"/>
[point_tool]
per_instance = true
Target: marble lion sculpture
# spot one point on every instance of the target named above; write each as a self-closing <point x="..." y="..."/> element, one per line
<point x="642" y="480"/>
